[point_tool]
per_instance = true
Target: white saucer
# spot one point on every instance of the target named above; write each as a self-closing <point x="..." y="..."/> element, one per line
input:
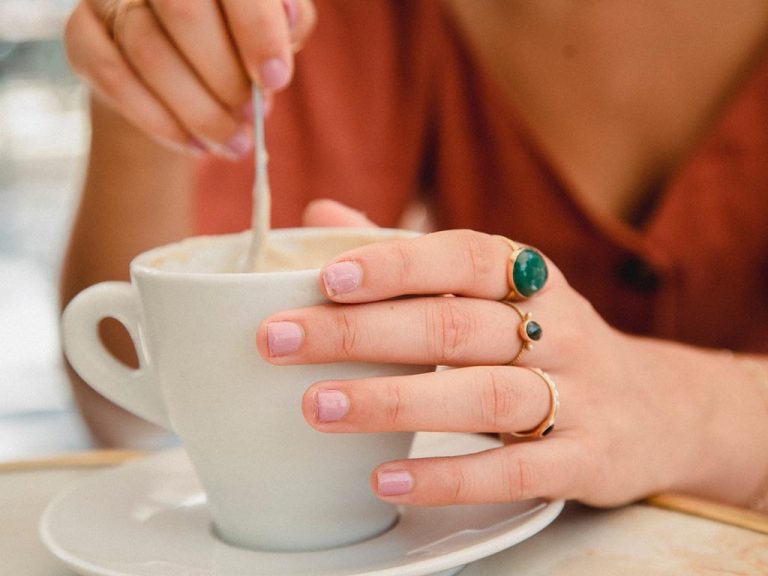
<point x="149" y="518"/>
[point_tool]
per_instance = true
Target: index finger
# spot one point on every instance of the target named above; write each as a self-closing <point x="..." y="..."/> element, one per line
<point x="461" y="262"/>
<point x="261" y="31"/>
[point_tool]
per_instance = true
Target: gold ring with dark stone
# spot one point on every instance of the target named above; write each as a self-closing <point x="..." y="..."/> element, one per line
<point x="529" y="331"/>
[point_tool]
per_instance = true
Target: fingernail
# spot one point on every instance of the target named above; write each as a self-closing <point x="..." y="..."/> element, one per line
<point x="197" y="147"/>
<point x="246" y="112"/>
<point x="291" y="13"/>
<point x="341" y="277"/>
<point x="394" y="483"/>
<point x="331" y="405"/>
<point x="240" y="144"/>
<point x="274" y="74"/>
<point x="283" y="338"/>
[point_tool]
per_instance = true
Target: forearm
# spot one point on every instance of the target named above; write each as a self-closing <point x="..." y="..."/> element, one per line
<point x="136" y="195"/>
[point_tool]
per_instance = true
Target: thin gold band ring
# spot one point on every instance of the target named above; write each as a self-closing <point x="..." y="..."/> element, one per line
<point x="548" y="424"/>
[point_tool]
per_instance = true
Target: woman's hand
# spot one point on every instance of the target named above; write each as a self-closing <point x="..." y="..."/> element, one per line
<point x="181" y="70"/>
<point x="636" y="416"/>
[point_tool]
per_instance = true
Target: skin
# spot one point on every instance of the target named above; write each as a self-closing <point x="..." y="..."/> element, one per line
<point x="205" y="51"/>
<point x="142" y="159"/>
<point x="625" y="420"/>
<point x="649" y="416"/>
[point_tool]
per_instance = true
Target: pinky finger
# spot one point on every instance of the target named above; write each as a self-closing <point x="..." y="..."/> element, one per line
<point x="94" y="56"/>
<point x="546" y="469"/>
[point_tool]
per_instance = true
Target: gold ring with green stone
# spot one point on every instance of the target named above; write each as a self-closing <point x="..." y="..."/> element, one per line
<point x="526" y="271"/>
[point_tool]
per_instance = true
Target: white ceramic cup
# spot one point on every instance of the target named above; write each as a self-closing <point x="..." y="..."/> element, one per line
<point x="272" y="482"/>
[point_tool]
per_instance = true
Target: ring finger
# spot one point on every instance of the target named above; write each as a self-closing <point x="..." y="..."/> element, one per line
<point x="499" y="399"/>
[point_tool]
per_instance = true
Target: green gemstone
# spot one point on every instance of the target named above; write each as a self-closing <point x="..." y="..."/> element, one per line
<point x="529" y="272"/>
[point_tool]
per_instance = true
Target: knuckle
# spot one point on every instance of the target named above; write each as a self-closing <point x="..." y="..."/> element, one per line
<point x="477" y="259"/>
<point x="461" y="486"/>
<point x="404" y="267"/>
<point x="393" y="407"/>
<point x="347" y="332"/>
<point x="517" y="475"/>
<point x="497" y="401"/>
<point x="571" y="336"/>
<point x="449" y="329"/>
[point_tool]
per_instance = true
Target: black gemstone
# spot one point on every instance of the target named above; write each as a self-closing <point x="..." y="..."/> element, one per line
<point x="548" y="430"/>
<point x="533" y="330"/>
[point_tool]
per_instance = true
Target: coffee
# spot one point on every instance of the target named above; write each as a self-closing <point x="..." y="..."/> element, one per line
<point x="226" y="254"/>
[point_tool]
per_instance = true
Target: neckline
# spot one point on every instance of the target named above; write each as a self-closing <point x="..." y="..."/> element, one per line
<point x="636" y="238"/>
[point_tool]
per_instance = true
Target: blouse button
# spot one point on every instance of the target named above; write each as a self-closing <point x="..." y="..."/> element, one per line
<point x="638" y="274"/>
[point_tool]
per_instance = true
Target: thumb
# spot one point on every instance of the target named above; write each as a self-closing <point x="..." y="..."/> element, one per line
<point x="323" y="213"/>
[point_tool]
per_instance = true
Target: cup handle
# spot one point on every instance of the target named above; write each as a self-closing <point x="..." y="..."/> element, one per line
<point x="135" y="390"/>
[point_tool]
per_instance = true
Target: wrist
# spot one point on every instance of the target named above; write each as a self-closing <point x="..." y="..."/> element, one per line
<point x="760" y="501"/>
<point x="737" y="430"/>
<point x="711" y="429"/>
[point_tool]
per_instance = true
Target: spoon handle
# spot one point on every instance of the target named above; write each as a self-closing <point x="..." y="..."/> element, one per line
<point x="260" y="219"/>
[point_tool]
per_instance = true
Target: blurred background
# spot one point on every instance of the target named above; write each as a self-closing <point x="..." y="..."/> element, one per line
<point x="43" y="138"/>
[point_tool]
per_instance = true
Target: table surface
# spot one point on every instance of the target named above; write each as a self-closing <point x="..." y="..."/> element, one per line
<point x="637" y="539"/>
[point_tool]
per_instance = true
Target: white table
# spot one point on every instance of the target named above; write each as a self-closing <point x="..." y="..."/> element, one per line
<point x="634" y="540"/>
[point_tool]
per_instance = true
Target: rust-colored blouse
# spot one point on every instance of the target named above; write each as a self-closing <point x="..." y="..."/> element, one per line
<point x="386" y="104"/>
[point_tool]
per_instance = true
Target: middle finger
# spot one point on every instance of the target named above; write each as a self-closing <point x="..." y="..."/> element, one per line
<point x="165" y="71"/>
<point x="439" y="330"/>
<point x="198" y="29"/>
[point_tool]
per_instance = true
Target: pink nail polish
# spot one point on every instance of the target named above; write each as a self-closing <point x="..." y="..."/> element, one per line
<point x="331" y="405"/>
<point x="291" y="13"/>
<point x="394" y="483"/>
<point x="197" y="147"/>
<point x="274" y="74"/>
<point x="240" y="144"/>
<point x="284" y="338"/>
<point x="341" y="277"/>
